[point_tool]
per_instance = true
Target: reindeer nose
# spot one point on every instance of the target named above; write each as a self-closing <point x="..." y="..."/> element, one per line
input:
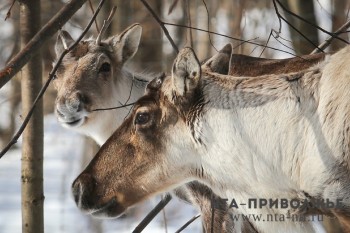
<point x="82" y="189"/>
<point x="75" y="102"/>
<point x="71" y="103"/>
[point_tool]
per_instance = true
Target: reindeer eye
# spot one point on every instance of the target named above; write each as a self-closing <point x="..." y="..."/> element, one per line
<point x="142" y="118"/>
<point x="106" y="67"/>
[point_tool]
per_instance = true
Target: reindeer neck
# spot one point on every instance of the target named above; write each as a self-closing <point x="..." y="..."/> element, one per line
<point x="241" y="92"/>
<point x="245" y="118"/>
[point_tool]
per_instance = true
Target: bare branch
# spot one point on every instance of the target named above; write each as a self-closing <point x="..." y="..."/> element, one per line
<point x="230" y="37"/>
<point x="208" y="22"/>
<point x="188" y="223"/>
<point x="165" y="221"/>
<point x="150" y="216"/>
<point x="328" y="41"/>
<point x="105" y="25"/>
<point x="38" y="40"/>
<point x="161" y="24"/>
<point x="268" y="40"/>
<point x="189" y="21"/>
<point x="172" y="6"/>
<point x="51" y="76"/>
<point x="111" y="108"/>
<point x="306" y="21"/>
<point x="8" y="14"/>
<point x="291" y="25"/>
<point x="93" y="12"/>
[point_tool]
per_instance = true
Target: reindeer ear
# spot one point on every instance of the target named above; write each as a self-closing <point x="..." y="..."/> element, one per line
<point x="126" y="44"/>
<point x="220" y="62"/>
<point x="64" y="40"/>
<point x="186" y="72"/>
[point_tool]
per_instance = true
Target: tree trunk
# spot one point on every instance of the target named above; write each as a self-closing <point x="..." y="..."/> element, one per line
<point x="32" y="148"/>
<point x="305" y="9"/>
<point x="235" y="14"/>
<point x="151" y="45"/>
<point x="339" y="17"/>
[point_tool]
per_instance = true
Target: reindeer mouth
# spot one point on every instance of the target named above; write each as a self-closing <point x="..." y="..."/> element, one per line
<point x="110" y="209"/>
<point x="75" y="123"/>
<point x="72" y="123"/>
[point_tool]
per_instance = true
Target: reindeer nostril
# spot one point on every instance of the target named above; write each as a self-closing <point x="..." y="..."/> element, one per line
<point x="77" y="190"/>
<point x="82" y="189"/>
<point x="59" y="113"/>
<point x="83" y="100"/>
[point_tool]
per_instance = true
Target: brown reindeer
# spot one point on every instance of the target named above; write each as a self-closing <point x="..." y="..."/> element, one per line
<point x="183" y="124"/>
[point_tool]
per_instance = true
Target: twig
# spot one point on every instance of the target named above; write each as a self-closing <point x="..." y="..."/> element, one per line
<point x="306" y="21"/>
<point x="150" y="216"/>
<point x="38" y="40"/>
<point x="93" y="12"/>
<point x="161" y="24"/>
<point x="291" y="25"/>
<point x="165" y="221"/>
<point x="230" y="37"/>
<point x="51" y="76"/>
<point x="328" y="41"/>
<point x="187" y="223"/>
<point x="268" y="40"/>
<point x="189" y="21"/>
<point x="208" y="21"/>
<point x="172" y="6"/>
<point x="111" y="108"/>
<point x="8" y="14"/>
<point x="105" y="25"/>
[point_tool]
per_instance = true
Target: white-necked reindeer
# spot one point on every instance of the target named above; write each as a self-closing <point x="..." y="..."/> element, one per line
<point x="94" y="76"/>
<point x="271" y="137"/>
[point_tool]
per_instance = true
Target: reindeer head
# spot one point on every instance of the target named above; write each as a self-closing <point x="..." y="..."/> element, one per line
<point x="154" y="150"/>
<point x="87" y="78"/>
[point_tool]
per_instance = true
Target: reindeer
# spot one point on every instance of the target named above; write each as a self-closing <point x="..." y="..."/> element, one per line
<point x="272" y="137"/>
<point x="93" y="76"/>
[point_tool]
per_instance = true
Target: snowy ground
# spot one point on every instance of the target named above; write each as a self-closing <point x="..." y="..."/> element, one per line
<point x="61" y="165"/>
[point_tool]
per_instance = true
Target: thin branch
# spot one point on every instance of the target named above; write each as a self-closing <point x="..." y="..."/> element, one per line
<point x="161" y="24"/>
<point x="187" y="223"/>
<point x="189" y="22"/>
<point x="52" y="74"/>
<point x="8" y="14"/>
<point x="111" y="108"/>
<point x="38" y="40"/>
<point x="241" y="43"/>
<point x="172" y="6"/>
<point x="105" y="25"/>
<point x="291" y="25"/>
<point x="208" y="21"/>
<point x="165" y="221"/>
<point x="150" y="216"/>
<point x="306" y="21"/>
<point x="132" y="85"/>
<point x="277" y="39"/>
<point x="232" y="38"/>
<point x="328" y="41"/>
<point x="268" y="40"/>
<point x="93" y="12"/>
